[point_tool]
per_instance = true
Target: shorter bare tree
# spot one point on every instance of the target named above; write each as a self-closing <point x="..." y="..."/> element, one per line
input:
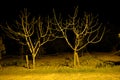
<point x="86" y="30"/>
<point x="31" y="31"/>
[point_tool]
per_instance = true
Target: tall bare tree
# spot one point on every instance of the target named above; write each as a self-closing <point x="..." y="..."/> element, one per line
<point x="86" y="30"/>
<point x="31" y="31"/>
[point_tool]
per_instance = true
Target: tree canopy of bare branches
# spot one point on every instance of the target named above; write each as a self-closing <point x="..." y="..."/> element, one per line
<point x="32" y="31"/>
<point x="86" y="30"/>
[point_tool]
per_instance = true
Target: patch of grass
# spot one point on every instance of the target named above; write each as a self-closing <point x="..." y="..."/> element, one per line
<point x="91" y="61"/>
<point x="12" y="62"/>
<point x="54" y="69"/>
<point x="59" y="68"/>
<point x="60" y="64"/>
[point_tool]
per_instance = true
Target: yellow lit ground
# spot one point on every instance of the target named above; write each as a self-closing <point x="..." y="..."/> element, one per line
<point x="53" y="67"/>
<point x="63" y="76"/>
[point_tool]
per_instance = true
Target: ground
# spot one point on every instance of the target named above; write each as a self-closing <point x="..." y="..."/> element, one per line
<point x="59" y="67"/>
<point x="59" y="76"/>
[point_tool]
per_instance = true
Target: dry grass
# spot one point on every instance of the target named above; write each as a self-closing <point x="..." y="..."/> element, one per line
<point x="61" y="76"/>
<point x="106" y="56"/>
<point x="58" y="67"/>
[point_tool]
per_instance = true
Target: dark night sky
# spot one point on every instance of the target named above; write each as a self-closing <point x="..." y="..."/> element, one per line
<point x="107" y="10"/>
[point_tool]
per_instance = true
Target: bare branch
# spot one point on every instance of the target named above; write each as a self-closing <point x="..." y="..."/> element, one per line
<point x="86" y="28"/>
<point x="62" y="30"/>
<point x="100" y="38"/>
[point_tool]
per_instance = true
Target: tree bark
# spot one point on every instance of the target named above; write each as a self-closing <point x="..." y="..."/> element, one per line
<point x="27" y="62"/>
<point x="33" y="61"/>
<point x="76" y="59"/>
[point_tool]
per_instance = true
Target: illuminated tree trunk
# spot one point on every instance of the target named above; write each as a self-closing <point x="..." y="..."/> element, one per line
<point x="27" y="61"/>
<point x="76" y="59"/>
<point x="33" y="56"/>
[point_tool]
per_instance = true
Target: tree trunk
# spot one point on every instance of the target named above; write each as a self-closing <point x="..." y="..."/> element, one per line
<point x="76" y="59"/>
<point x="33" y="61"/>
<point x="27" y="61"/>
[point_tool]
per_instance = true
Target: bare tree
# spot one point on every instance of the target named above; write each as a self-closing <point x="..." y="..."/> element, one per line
<point x="86" y="30"/>
<point x="31" y="31"/>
